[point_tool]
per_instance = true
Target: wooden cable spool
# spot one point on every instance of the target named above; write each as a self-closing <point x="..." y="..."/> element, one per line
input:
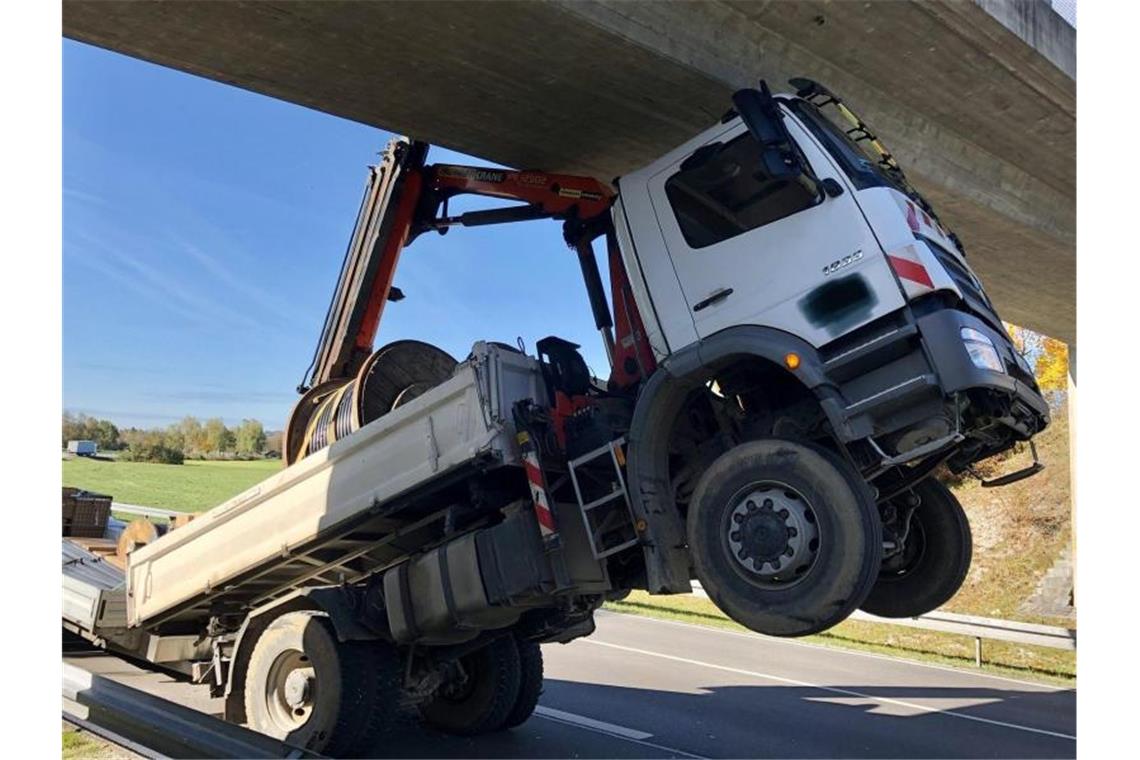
<point x="389" y="378"/>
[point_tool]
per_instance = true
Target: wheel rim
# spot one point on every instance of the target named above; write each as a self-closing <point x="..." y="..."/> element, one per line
<point x="772" y="535"/>
<point x="912" y="555"/>
<point x="462" y="685"/>
<point x="290" y="690"/>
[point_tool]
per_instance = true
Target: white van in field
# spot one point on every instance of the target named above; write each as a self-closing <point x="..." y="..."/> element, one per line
<point x="82" y="448"/>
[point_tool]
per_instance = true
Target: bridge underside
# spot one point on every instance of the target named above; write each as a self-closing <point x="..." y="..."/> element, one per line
<point x="977" y="99"/>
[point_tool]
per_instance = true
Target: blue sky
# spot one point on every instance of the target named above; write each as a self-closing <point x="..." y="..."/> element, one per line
<point x="203" y="230"/>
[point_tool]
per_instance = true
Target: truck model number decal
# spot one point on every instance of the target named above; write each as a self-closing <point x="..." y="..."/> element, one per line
<point x="843" y="262"/>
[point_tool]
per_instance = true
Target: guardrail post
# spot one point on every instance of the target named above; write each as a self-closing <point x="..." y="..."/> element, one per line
<point x="978" y="651"/>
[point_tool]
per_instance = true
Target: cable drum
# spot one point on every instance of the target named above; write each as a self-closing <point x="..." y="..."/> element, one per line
<point x="389" y="378"/>
<point x="344" y="422"/>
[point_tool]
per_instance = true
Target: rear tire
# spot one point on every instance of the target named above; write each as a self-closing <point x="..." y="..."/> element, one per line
<point x="530" y="683"/>
<point x="484" y="698"/>
<point x="937" y="557"/>
<point x="784" y="537"/>
<point x="305" y="687"/>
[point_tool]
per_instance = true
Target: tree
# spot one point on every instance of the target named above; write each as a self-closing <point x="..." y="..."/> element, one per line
<point x="1025" y="342"/>
<point x="82" y="427"/>
<point x="193" y="435"/>
<point x="250" y="437"/>
<point x="106" y="435"/>
<point x="219" y="438"/>
<point x="70" y="427"/>
<point x="1052" y="368"/>
<point x="274" y="441"/>
<point x="1049" y="359"/>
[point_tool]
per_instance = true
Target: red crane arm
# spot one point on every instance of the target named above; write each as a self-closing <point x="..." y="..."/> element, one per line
<point x="547" y="196"/>
<point x="417" y="202"/>
<point x="557" y="195"/>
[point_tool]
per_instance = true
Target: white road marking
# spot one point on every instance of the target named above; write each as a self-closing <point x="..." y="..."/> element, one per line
<point x="835" y="650"/>
<point x="582" y="720"/>
<point x="833" y="689"/>
<point x="609" y="729"/>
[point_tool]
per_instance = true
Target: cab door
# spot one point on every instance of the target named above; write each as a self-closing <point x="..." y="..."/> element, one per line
<point x="751" y="249"/>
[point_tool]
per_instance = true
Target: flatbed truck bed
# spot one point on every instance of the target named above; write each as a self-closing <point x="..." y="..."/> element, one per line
<point x="343" y="512"/>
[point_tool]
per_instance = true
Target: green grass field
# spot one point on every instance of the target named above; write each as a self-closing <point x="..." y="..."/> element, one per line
<point x="191" y="487"/>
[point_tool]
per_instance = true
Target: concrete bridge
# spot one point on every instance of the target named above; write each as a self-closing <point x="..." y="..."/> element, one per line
<point x="976" y="98"/>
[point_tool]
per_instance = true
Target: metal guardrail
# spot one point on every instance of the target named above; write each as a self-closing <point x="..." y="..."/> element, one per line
<point x="155" y="727"/>
<point x="978" y="628"/>
<point x="135" y="509"/>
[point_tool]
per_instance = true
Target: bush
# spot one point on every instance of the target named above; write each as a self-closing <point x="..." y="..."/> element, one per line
<point x="156" y="453"/>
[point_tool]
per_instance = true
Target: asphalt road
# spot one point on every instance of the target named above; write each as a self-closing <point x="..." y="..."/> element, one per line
<point x="647" y="688"/>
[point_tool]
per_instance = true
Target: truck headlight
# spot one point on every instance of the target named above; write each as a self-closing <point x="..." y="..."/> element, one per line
<point x="982" y="351"/>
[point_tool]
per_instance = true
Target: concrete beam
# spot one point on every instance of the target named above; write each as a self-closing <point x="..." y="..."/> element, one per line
<point x="976" y="98"/>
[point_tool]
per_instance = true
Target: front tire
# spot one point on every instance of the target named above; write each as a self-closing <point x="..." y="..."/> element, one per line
<point x="784" y="537"/>
<point x="482" y="699"/>
<point x="934" y="563"/>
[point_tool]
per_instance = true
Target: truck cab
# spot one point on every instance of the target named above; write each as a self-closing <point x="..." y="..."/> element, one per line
<point x="824" y="294"/>
<point x="839" y="258"/>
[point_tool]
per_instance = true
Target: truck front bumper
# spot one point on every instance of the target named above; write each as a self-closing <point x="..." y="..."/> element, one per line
<point x="909" y="384"/>
<point x="957" y="373"/>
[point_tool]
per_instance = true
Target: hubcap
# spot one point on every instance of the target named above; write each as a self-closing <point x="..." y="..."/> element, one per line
<point x="771" y="534"/>
<point x="290" y="690"/>
<point x="297" y="686"/>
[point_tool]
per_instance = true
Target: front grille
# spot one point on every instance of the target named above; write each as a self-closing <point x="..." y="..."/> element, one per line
<point x="974" y="296"/>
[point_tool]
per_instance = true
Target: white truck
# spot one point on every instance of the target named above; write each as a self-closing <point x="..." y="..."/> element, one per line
<point x="82" y="448"/>
<point x="797" y="344"/>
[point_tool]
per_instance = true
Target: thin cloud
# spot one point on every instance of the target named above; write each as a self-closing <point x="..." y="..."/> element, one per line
<point x="92" y="199"/>
<point x="241" y="286"/>
<point x="163" y="289"/>
<point x="224" y="396"/>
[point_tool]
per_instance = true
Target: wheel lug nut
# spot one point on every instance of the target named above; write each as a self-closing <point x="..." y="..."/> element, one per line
<point x="788" y="551"/>
<point x="751" y="506"/>
<point x="792" y="532"/>
<point x="784" y="513"/>
<point x="767" y="504"/>
<point x="734" y="535"/>
<point x="738" y="519"/>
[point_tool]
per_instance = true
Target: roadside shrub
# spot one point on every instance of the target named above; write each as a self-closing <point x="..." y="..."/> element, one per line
<point x="156" y="453"/>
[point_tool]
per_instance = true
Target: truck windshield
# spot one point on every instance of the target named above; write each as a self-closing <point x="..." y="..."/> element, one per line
<point x="860" y="163"/>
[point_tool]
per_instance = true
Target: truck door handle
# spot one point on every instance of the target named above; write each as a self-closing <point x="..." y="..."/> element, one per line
<point x="716" y="297"/>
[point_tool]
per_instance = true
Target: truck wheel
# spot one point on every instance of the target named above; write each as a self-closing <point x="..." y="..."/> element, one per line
<point x="935" y="558"/>
<point x="784" y="537"/>
<point x="481" y="699"/>
<point x="305" y="687"/>
<point x="530" y="683"/>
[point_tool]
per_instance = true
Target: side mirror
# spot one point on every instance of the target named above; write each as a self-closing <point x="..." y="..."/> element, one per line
<point x="762" y="116"/>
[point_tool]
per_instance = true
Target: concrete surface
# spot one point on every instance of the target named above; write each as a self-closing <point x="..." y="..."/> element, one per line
<point x="977" y="99"/>
<point x="648" y="688"/>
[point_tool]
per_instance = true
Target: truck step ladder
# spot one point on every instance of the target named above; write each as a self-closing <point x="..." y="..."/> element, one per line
<point x="603" y="498"/>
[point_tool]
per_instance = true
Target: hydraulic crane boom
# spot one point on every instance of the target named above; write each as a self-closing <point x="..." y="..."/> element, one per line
<point x="405" y="198"/>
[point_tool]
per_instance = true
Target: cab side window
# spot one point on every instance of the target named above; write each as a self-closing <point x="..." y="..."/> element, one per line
<point x="730" y="193"/>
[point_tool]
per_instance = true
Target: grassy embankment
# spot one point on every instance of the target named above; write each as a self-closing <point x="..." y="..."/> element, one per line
<point x="1019" y="532"/>
<point x="80" y="745"/>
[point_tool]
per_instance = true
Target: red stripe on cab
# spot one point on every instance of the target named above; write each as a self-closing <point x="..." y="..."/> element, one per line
<point x="910" y="270"/>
